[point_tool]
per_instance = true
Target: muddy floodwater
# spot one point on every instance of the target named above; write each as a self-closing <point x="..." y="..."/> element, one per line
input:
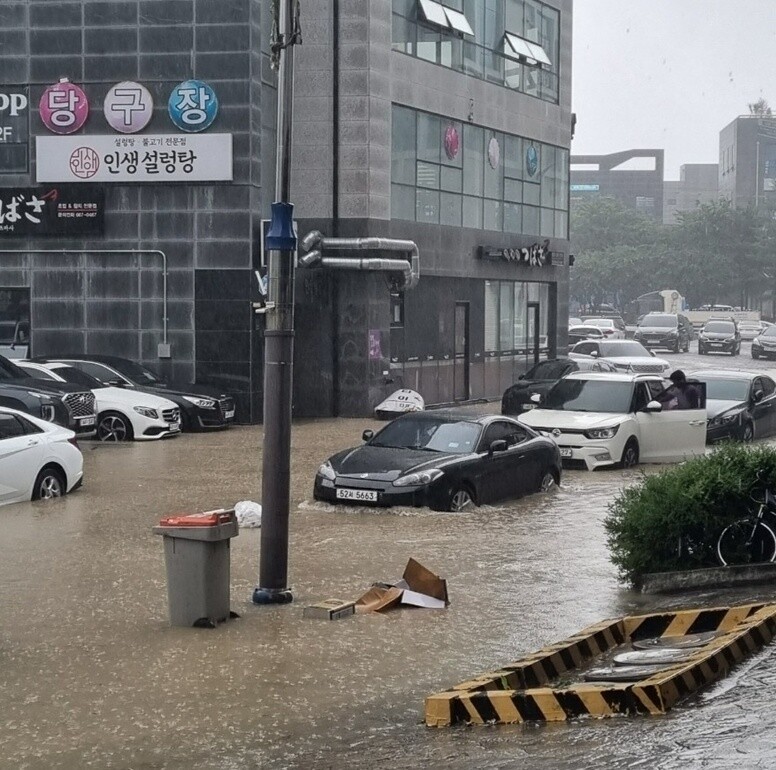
<point x="91" y="674"/>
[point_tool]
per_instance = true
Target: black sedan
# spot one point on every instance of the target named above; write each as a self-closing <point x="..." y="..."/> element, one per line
<point x="447" y="460"/>
<point x="739" y="405"/>
<point x="539" y="379"/>
<point x="202" y="407"/>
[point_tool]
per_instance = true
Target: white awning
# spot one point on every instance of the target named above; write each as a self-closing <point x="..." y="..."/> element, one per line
<point x="521" y="49"/>
<point x="458" y="21"/>
<point x="447" y="18"/>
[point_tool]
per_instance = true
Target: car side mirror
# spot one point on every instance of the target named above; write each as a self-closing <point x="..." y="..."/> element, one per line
<point x="758" y="396"/>
<point x="521" y="377"/>
<point x="653" y="406"/>
<point x="594" y="353"/>
<point x="116" y="383"/>
<point x="367" y="435"/>
<point x="498" y="446"/>
<point x="536" y="398"/>
<point x="652" y="353"/>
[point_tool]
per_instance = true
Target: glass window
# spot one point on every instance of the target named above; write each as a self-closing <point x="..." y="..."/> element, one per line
<point x="473" y="160"/>
<point x="521" y="306"/>
<point x="428" y="175"/>
<point x="403" y="145"/>
<point x="492" y="215"/>
<point x="514" y="16"/>
<point x="450" y="209"/>
<point x="550" y="33"/>
<point x="548" y="176"/>
<point x="513" y="218"/>
<point x="452" y="179"/>
<point x="532" y="21"/>
<point x="472" y="212"/>
<point x="491" y="316"/>
<point x="531" y="220"/>
<point x="548" y="223"/>
<point x="531" y="194"/>
<point x="402" y="202"/>
<point x="403" y="35"/>
<point x="429" y="142"/>
<point x="427" y="206"/>
<point x="506" y="317"/>
<point x="428" y="43"/>
<point x="561" y="224"/>
<point x="10" y="427"/>
<point x="513" y="190"/>
<point x="513" y="157"/>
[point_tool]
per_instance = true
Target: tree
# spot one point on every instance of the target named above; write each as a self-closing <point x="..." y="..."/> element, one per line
<point x="760" y="108"/>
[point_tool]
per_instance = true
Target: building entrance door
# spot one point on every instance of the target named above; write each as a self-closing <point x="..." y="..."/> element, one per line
<point x="15" y="323"/>
<point x="533" y="325"/>
<point x="461" y="364"/>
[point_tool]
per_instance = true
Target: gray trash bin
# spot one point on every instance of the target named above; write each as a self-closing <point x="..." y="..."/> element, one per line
<point x="196" y="551"/>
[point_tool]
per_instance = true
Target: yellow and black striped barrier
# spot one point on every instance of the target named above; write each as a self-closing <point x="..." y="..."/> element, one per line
<point x="523" y="691"/>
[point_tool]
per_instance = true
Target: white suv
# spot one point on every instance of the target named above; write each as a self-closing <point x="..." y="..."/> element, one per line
<point x="601" y="418"/>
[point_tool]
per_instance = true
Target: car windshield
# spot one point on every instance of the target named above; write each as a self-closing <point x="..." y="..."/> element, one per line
<point x="769" y="331"/>
<point x="140" y="375"/>
<point x="602" y="322"/>
<point x="10" y="371"/>
<point x="433" y="435"/>
<point x="623" y="349"/>
<point x="77" y="377"/>
<point x="589" y="396"/>
<point x="659" y="320"/>
<point x="719" y="327"/>
<point x="549" y="370"/>
<point x="725" y="389"/>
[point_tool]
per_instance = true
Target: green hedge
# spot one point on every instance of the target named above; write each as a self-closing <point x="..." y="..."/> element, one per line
<point x="671" y="520"/>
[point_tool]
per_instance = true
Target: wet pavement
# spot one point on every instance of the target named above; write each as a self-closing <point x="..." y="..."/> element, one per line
<point x="91" y="674"/>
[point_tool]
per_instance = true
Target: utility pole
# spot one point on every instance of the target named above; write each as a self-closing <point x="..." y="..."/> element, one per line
<point x="279" y="334"/>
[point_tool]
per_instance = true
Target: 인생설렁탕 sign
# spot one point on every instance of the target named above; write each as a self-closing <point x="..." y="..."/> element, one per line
<point x="134" y="158"/>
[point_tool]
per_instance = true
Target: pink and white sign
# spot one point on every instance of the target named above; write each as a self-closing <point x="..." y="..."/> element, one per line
<point x="128" y="107"/>
<point x="64" y="107"/>
<point x="452" y="142"/>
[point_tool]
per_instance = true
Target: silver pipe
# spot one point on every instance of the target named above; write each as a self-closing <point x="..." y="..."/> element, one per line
<point x="308" y="260"/>
<point x="371" y="264"/>
<point x="312" y="239"/>
<point x="157" y="252"/>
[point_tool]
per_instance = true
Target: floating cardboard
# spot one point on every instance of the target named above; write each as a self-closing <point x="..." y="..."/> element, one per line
<point x="330" y="609"/>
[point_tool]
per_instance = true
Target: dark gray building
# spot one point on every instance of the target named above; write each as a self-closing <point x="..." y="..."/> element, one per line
<point x="747" y="161"/>
<point x="448" y="124"/>
<point x="612" y="176"/>
<point x="698" y="184"/>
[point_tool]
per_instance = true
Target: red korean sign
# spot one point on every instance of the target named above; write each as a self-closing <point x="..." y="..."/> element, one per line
<point x="64" y="107"/>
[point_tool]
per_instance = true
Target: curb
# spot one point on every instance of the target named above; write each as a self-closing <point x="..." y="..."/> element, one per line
<point x="710" y="577"/>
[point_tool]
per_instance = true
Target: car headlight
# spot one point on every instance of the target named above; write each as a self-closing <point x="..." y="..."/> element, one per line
<point x="202" y="403"/>
<point x="146" y="411"/>
<point x="47" y="412"/>
<point x="327" y="471"/>
<point x="418" y="479"/>
<point x="598" y="433"/>
<point x="756" y="343"/>
<point x="724" y="419"/>
<point x="730" y="339"/>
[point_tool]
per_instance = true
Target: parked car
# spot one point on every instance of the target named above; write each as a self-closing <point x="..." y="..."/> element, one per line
<point x="627" y="355"/>
<point x="122" y="414"/>
<point x="38" y="459"/>
<point x="574" y="321"/>
<point x="448" y="460"/>
<point x="68" y="405"/>
<point x="603" y="419"/>
<point x="612" y="328"/>
<point x="739" y="405"/>
<point x="719" y="336"/>
<point x="584" y="332"/>
<point x="664" y="330"/>
<point x="540" y="378"/>
<point x="202" y="407"/>
<point x="751" y="329"/>
<point x="764" y="345"/>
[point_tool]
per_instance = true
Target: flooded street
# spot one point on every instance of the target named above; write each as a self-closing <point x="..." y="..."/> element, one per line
<point x="92" y="675"/>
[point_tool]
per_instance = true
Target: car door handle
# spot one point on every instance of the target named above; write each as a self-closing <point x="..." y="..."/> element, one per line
<point x="697" y="422"/>
<point x="32" y="442"/>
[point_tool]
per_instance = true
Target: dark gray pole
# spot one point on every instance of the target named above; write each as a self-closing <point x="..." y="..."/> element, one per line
<point x="279" y="342"/>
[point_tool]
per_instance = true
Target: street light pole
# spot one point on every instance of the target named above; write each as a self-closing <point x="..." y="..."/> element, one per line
<point x="279" y="335"/>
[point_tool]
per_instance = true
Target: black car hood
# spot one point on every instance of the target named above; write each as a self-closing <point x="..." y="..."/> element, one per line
<point x="49" y="387"/>
<point x="387" y="463"/>
<point x="717" y="406"/>
<point x="656" y="329"/>
<point x="186" y="389"/>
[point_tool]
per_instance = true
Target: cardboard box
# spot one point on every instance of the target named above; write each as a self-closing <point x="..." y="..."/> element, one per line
<point x="331" y="609"/>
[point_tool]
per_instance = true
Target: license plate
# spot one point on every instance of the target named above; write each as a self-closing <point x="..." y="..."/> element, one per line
<point x="174" y="425"/>
<point x="366" y="495"/>
<point x="86" y="420"/>
<point x="715" y="344"/>
<point x="565" y="452"/>
<point x="526" y="407"/>
<point x="229" y="414"/>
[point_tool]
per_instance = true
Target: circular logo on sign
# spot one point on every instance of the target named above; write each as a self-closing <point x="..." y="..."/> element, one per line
<point x="63" y="107"/>
<point x="193" y="105"/>
<point x="128" y="107"/>
<point x="452" y="142"/>
<point x="84" y="162"/>
<point x="494" y="152"/>
<point x="531" y="160"/>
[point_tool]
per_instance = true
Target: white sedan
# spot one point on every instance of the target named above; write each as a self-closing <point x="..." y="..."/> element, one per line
<point x="122" y="414"/>
<point x="608" y="326"/>
<point x="627" y="355"/>
<point x="38" y="459"/>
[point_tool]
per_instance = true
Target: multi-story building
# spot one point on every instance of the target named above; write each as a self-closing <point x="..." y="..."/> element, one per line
<point x="747" y="161"/>
<point x="614" y="176"/>
<point x="151" y="169"/>
<point x="698" y="184"/>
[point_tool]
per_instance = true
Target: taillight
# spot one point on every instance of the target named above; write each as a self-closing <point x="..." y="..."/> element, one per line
<point x="608" y="331"/>
<point x="74" y="442"/>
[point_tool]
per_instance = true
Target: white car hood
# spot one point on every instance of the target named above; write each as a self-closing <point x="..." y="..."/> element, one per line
<point x="634" y="360"/>
<point x="130" y="397"/>
<point x="557" y="418"/>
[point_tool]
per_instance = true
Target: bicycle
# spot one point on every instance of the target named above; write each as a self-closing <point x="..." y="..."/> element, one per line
<point x="750" y="540"/>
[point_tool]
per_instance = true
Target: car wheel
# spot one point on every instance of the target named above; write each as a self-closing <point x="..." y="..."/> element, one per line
<point x="747" y="434"/>
<point x="548" y="482"/>
<point x="112" y="426"/>
<point x="630" y="455"/>
<point x="461" y="500"/>
<point x="700" y="350"/>
<point x="676" y="346"/>
<point x="49" y="484"/>
<point x="755" y="355"/>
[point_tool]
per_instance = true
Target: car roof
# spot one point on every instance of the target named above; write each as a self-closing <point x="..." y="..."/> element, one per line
<point x="457" y="415"/>
<point x="728" y="374"/>
<point x="612" y="376"/>
<point x="110" y="360"/>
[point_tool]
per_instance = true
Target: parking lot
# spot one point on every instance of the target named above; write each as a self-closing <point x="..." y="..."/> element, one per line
<point x="93" y="676"/>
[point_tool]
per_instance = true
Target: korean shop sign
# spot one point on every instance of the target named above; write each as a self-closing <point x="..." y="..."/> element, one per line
<point x="193" y="106"/>
<point x="52" y="210"/>
<point x="64" y="107"/>
<point x="141" y="158"/>
<point x="535" y="255"/>
<point x="14" y="129"/>
<point x="128" y="107"/>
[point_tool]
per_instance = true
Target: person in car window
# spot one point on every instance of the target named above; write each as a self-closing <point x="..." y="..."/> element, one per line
<point x="680" y="394"/>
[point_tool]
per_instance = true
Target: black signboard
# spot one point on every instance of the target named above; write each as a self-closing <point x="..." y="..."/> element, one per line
<point x="52" y="210"/>
<point x="536" y="255"/>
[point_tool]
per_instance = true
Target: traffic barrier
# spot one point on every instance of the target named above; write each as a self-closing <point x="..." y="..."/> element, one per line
<point x="522" y="691"/>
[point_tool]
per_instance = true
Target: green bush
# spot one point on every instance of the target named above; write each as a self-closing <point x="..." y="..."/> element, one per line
<point x="671" y="520"/>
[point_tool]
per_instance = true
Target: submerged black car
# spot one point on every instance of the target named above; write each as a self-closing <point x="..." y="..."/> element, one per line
<point x="447" y="460"/>
<point x="739" y="405"/>
<point x="539" y="379"/>
<point x="202" y="407"/>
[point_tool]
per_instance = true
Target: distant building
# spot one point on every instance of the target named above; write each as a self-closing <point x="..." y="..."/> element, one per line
<point x="613" y="176"/>
<point x="747" y="161"/>
<point x="698" y="184"/>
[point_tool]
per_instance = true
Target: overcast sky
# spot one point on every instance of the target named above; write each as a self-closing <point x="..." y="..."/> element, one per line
<point x="669" y="73"/>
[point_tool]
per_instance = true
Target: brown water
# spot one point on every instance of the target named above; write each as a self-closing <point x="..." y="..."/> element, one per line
<point x="91" y="675"/>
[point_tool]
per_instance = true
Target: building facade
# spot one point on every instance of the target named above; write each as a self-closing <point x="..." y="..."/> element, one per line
<point x="747" y="161"/>
<point x="698" y="184"/>
<point x="151" y="170"/>
<point x="612" y="176"/>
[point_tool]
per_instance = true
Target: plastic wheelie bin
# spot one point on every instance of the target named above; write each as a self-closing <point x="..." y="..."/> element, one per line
<point x="196" y="550"/>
